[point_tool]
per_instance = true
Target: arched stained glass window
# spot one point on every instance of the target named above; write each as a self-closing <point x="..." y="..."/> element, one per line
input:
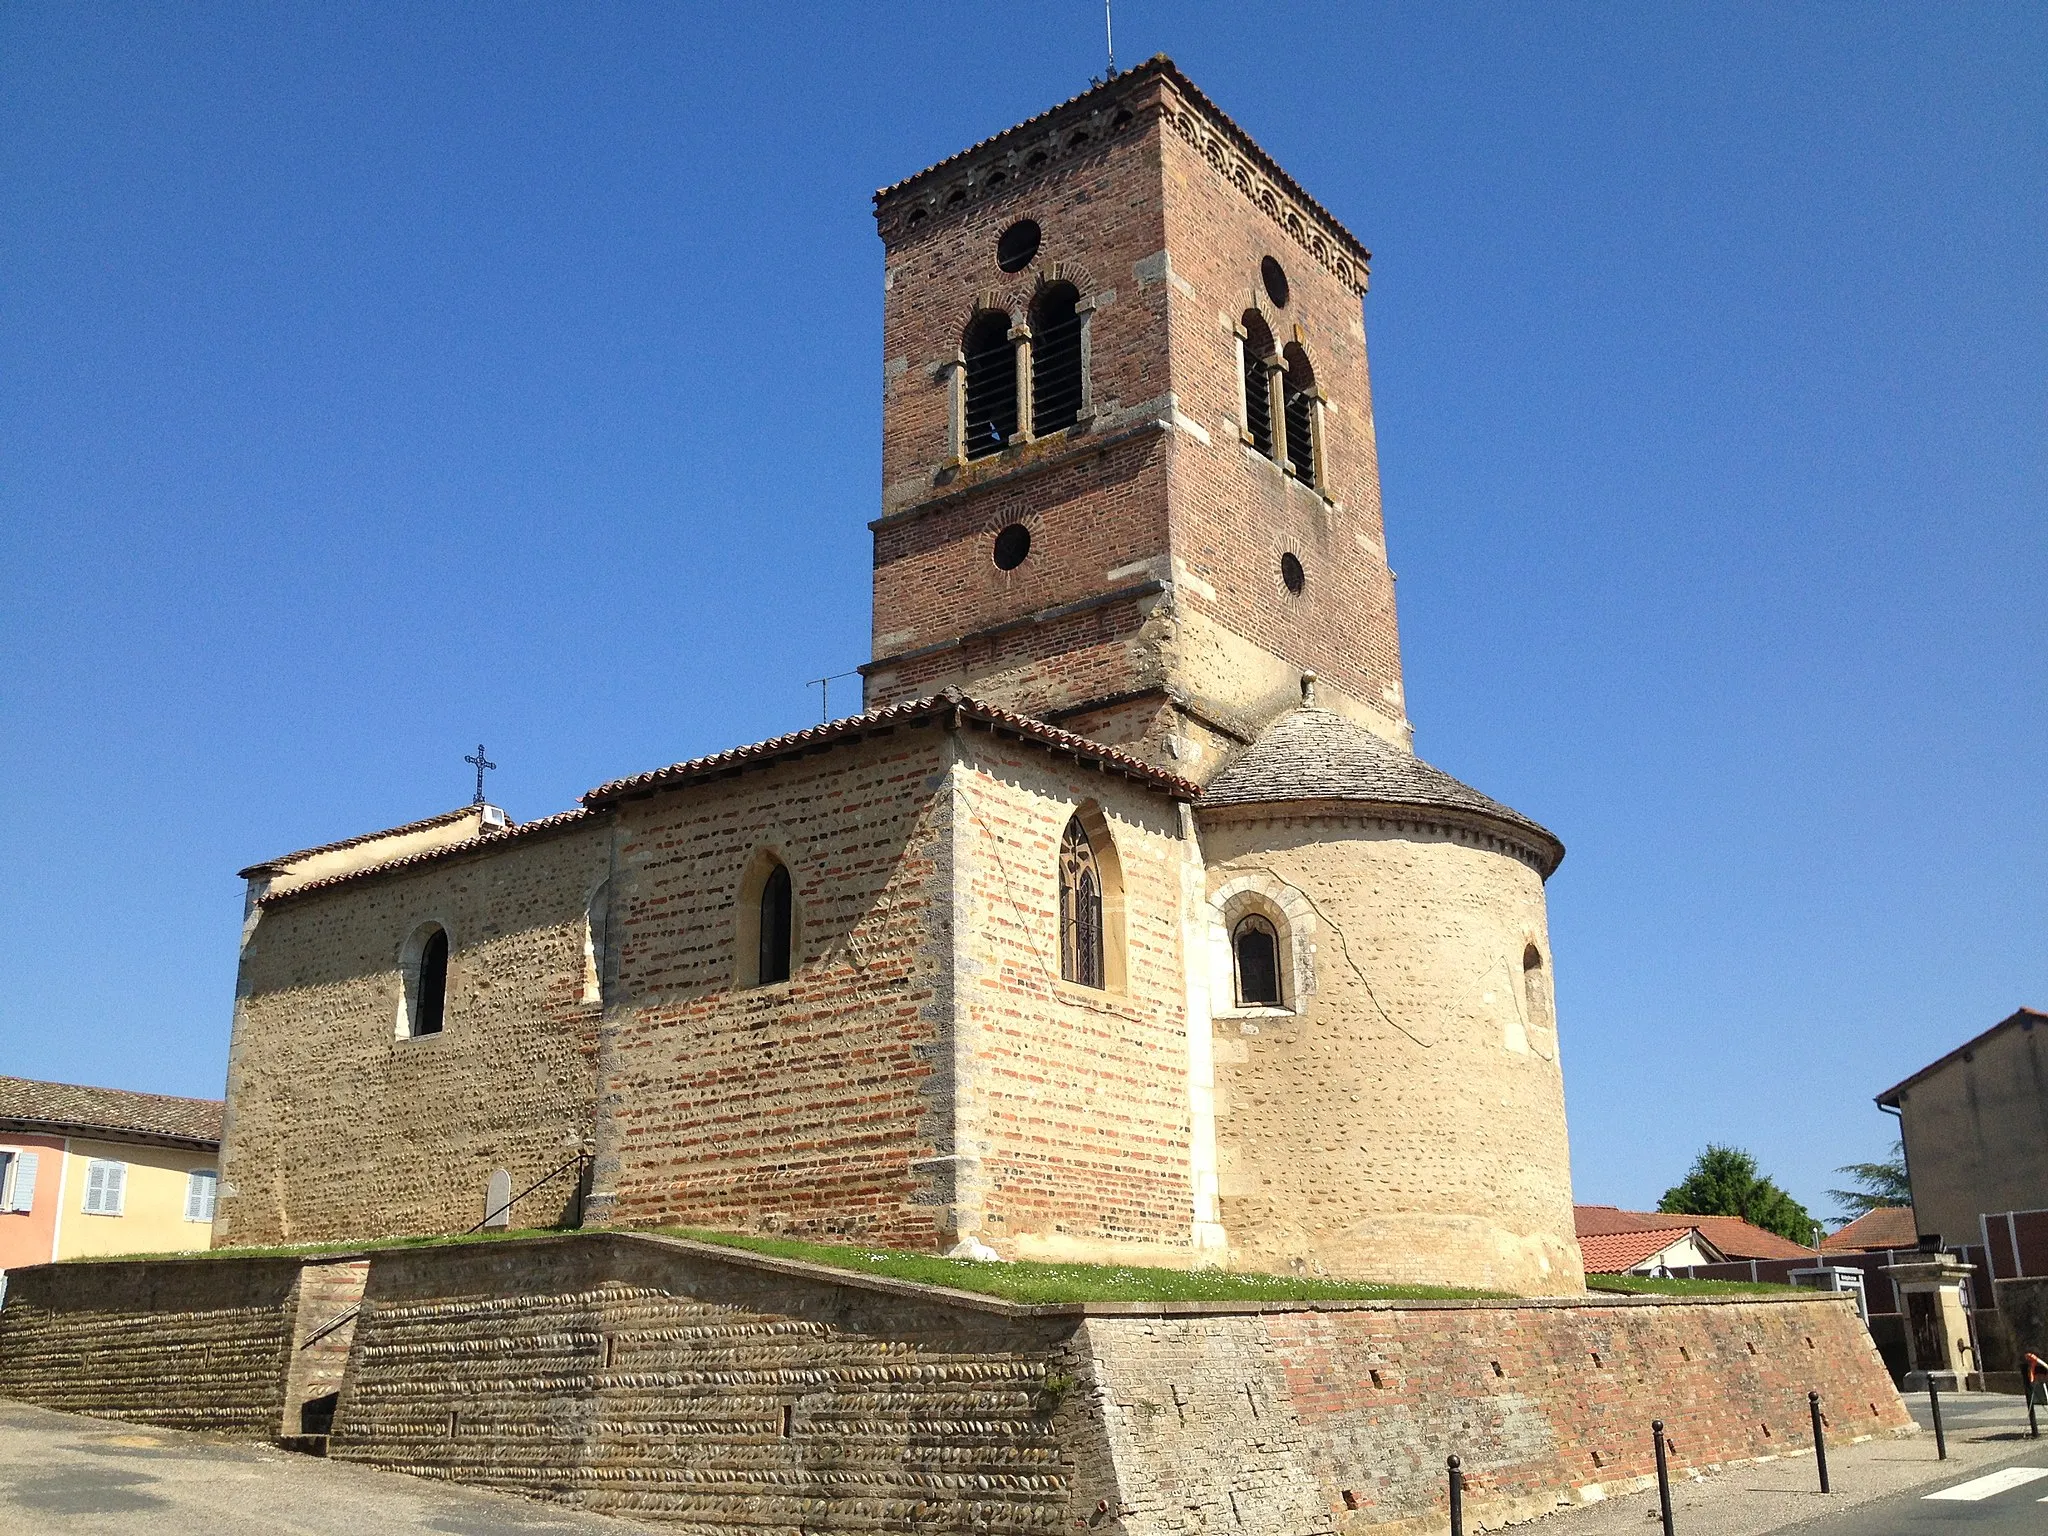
<point x="1257" y="950"/>
<point x="775" y="926"/>
<point x="1080" y="908"/>
<point x="991" y="358"/>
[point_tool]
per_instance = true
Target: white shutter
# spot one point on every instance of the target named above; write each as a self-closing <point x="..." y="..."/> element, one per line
<point x="199" y="1193"/>
<point x="105" y="1185"/>
<point x="117" y="1187"/>
<point x="24" y="1182"/>
<point x="95" y="1186"/>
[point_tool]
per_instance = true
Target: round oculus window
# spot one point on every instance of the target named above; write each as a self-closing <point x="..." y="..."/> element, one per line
<point x="1274" y="276"/>
<point x="1017" y="245"/>
<point x="1012" y="545"/>
<point x="1292" y="574"/>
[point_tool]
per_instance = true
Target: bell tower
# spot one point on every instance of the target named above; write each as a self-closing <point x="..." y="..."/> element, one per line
<point x="1130" y="484"/>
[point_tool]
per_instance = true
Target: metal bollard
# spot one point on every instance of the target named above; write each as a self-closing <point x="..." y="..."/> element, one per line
<point x="1663" y="1475"/>
<point x="2033" y="1424"/>
<point x="1457" y="1496"/>
<point x="1820" y="1439"/>
<point x="1934" y="1403"/>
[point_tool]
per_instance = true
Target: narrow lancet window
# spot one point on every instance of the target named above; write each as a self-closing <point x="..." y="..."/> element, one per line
<point x="430" y="1000"/>
<point x="1055" y="359"/>
<point x="991" y="360"/>
<point x="1298" y="390"/>
<point x="774" y="963"/>
<point x="1080" y="908"/>
<point x="1257" y="949"/>
<point x="1257" y="346"/>
<point x="1536" y="988"/>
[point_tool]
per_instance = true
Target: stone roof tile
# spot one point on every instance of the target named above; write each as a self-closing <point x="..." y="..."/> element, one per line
<point x="1313" y="754"/>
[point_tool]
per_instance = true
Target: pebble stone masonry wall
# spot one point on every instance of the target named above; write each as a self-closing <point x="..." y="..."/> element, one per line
<point x="729" y="1393"/>
<point x="338" y="1125"/>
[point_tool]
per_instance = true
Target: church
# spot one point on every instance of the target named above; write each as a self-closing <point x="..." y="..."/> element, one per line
<point x="1123" y="924"/>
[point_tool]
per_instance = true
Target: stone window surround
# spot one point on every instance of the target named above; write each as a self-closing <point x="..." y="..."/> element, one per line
<point x="1294" y="920"/>
<point x="1275" y="369"/>
<point x="409" y="980"/>
<point x="746" y="953"/>
<point x="952" y="371"/>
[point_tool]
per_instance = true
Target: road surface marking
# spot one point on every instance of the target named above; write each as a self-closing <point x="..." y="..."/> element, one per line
<point x="1993" y="1482"/>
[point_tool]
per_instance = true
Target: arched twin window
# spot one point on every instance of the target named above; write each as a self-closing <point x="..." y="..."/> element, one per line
<point x="1282" y="405"/>
<point x="1255" y="949"/>
<point x="1081" y="948"/>
<point x="1038" y="375"/>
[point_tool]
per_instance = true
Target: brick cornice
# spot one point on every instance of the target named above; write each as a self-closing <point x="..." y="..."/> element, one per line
<point x="1155" y="90"/>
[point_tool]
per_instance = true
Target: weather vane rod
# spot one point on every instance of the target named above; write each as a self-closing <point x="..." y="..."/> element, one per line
<point x="480" y="763"/>
<point x="1109" y="36"/>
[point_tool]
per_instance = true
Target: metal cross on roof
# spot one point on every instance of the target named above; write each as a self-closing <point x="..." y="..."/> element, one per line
<point x="480" y="763"/>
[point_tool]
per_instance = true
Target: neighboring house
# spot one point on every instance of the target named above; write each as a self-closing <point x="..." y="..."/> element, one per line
<point x="1975" y="1128"/>
<point x="1886" y="1229"/>
<point x="1729" y="1237"/>
<point x="1656" y="1250"/>
<point x="101" y="1170"/>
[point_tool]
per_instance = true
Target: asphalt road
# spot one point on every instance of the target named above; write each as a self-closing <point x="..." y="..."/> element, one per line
<point x="62" y="1475"/>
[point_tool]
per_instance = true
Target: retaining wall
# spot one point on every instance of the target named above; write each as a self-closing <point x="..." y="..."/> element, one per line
<point x="184" y="1343"/>
<point x="681" y="1382"/>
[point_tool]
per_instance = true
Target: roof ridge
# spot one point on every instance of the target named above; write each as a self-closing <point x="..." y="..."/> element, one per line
<point x="267" y="865"/>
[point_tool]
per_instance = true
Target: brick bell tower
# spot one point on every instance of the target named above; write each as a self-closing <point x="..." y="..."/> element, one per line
<point x="1129" y="482"/>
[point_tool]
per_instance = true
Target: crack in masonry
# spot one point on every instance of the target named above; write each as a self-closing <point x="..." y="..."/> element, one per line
<point x="1345" y="945"/>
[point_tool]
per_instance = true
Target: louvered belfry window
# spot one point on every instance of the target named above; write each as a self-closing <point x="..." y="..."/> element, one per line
<point x="1258" y="399"/>
<point x="1055" y="359"/>
<point x="991" y="360"/>
<point x="1080" y="908"/>
<point x="1298" y="389"/>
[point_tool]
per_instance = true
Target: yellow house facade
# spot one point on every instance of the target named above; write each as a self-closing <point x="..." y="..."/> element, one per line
<point x="91" y="1172"/>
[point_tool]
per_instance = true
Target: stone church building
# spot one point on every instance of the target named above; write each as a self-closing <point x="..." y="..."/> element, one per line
<point x="1124" y="924"/>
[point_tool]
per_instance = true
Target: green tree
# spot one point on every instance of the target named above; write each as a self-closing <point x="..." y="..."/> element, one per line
<point x="1877" y="1185"/>
<point x="1724" y="1181"/>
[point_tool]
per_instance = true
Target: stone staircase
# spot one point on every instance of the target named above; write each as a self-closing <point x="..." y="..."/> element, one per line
<point x="633" y="1400"/>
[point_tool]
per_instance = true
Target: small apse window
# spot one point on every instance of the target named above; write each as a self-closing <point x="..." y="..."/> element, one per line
<point x="431" y="995"/>
<point x="1017" y="245"/>
<point x="1012" y="545"/>
<point x="1257" y="949"/>
<point x="1292" y="574"/>
<point x="1274" y="276"/>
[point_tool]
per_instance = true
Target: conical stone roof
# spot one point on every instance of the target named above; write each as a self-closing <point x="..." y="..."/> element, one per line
<point x="1312" y="754"/>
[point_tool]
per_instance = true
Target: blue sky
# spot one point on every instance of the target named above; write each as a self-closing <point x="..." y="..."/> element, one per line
<point x="383" y="379"/>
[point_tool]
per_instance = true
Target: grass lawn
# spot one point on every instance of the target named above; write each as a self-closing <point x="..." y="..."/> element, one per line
<point x="1032" y="1282"/>
<point x="1642" y="1285"/>
<point x="1022" y="1281"/>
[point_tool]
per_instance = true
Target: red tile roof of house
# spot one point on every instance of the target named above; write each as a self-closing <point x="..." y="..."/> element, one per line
<point x="1735" y="1237"/>
<point x="1613" y="1253"/>
<point x="69" y="1109"/>
<point x="1889" y="1226"/>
